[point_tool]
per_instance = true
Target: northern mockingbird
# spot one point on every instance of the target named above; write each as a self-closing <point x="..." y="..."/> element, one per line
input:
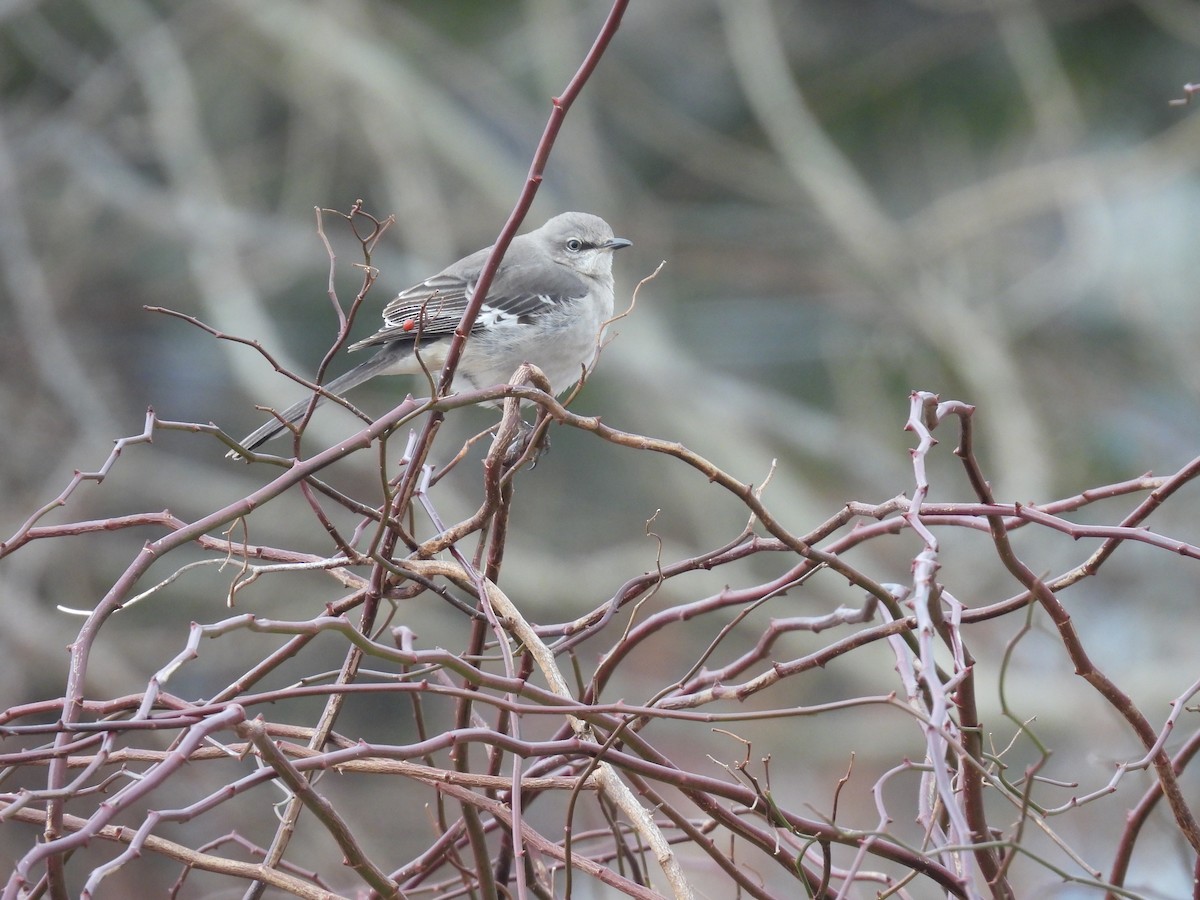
<point x="550" y="298"/>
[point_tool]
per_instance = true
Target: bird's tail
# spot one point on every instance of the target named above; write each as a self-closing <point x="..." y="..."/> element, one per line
<point x="364" y="371"/>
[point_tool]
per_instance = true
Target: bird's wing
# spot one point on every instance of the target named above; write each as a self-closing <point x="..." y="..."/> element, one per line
<point x="434" y="307"/>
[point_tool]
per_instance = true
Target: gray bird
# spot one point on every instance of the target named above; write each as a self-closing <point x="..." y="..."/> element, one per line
<point x="547" y="304"/>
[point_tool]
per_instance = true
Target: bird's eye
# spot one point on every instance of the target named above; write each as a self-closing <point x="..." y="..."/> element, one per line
<point x="574" y="245"/>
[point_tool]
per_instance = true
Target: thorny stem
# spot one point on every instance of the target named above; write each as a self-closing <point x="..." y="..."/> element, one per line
<point x="1084" y="667"/>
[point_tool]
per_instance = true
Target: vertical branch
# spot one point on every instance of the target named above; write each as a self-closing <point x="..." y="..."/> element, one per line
<point x="533" y="180"/>
<point x="968" y="824"/>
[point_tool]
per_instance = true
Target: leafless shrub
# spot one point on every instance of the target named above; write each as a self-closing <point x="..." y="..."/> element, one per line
<point x="796" y="710"/>
<point x="505" y="745"/>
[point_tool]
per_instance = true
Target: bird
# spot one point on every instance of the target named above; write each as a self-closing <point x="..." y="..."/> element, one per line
<point x="548" y="304"/>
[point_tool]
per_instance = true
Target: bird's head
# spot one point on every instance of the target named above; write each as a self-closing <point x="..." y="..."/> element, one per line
<point x="582" y="242"/>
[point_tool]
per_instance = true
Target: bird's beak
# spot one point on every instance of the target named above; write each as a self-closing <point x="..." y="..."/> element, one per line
<point x="616" y="244"/>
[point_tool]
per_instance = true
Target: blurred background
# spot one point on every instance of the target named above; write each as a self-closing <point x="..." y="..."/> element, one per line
<point x="992" y="201"/>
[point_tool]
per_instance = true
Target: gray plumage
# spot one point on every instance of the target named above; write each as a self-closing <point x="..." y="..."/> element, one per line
<point x="547" y="305"/>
